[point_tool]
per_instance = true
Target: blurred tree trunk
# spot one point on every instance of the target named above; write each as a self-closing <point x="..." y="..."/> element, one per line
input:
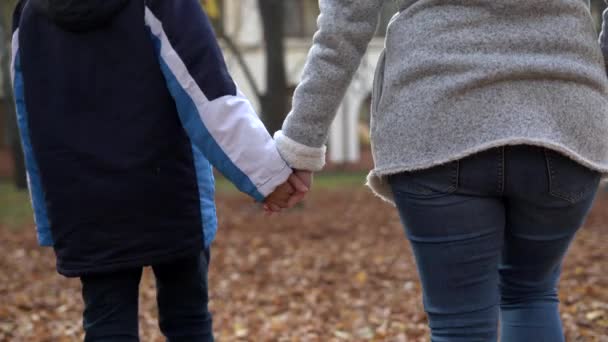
<point x="274" y="102"/>
<point x="11" y="120"/>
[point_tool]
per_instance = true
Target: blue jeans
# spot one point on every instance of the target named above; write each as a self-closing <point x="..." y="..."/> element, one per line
<point x="489" y="234"/>
<point x="111" y="303"/>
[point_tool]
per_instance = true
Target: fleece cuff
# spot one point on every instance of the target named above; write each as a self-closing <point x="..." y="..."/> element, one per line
<point x="299" y="156"/>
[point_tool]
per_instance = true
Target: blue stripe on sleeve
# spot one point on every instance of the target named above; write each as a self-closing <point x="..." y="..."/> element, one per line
<point x="206" y="188"/>
<point x="43" y="226"/>
<point x="199" y="134"/>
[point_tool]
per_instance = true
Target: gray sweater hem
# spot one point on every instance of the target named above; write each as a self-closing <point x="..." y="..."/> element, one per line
<point x="377" y="182"/>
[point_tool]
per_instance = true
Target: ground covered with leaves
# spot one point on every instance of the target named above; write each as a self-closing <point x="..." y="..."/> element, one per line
<point x="338" y="269"/>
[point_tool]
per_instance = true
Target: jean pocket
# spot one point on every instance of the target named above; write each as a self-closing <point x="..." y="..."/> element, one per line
<point x="434" y="182"/>
<point x="569" y="180"/>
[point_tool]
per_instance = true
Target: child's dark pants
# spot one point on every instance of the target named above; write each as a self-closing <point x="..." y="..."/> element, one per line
<point x="111" y="303"/>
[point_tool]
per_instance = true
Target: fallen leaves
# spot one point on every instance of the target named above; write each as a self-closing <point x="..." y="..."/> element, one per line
<point x="595" y="315"/>
<point x="340" y="270"/>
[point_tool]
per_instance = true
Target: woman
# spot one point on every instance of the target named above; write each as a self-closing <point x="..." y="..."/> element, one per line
<point x="489" y="130"/>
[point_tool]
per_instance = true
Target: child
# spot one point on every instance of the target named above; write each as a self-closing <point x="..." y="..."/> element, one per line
<point x="123" y="107"/>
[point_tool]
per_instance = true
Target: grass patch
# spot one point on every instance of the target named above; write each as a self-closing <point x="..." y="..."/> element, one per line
<point x="323" y="180"/>
<point x="15" y="208"/>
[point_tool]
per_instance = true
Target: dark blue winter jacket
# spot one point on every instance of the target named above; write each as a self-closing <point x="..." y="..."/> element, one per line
<point x="123" y="108"/>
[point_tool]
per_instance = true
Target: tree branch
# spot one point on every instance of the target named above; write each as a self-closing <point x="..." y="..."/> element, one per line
<point x="241" y="61"/>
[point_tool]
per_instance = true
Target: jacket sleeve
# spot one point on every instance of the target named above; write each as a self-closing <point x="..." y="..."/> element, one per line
<point x="219" y="120"/>
<point x="345" y="29"/>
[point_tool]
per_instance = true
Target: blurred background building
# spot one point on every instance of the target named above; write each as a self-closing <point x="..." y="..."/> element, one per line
<point x="266" y="53"/>
<point x="349" y="133"/>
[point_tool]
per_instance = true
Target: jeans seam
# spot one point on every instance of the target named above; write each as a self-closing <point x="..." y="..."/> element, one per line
<point x="501" y="171"/>
<point x="455" y="176"/>
<point x="550" y="172"/>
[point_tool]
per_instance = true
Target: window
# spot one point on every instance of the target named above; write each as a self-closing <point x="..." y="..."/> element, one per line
<point x="4" y="56"/>
<point x="388" y="11"/>
<point x="597" y="7"/>
<point x="301" y="17"/>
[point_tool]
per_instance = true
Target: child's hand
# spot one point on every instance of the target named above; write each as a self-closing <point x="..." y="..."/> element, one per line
<point x="283" y="196"/>
<point x="279" y="199"/>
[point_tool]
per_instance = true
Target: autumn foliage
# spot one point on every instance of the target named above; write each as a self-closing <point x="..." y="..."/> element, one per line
<point x="339" y="269"/>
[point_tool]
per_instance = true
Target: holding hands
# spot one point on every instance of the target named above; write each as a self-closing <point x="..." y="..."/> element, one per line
<point x="292" y="192"/>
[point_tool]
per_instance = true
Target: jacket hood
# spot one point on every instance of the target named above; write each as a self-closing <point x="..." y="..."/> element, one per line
<point x="79" y="15"/>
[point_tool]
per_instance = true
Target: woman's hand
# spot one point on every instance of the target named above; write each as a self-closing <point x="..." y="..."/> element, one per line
<point x="289" y="194"/>
<point x="306" y="178"/>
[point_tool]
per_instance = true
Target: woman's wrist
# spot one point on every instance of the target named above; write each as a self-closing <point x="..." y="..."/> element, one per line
<point x="299" y="156"/>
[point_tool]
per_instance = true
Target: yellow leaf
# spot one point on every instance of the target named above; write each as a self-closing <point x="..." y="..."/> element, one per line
<point x="361" y="277"/>
<point x="342" y="335"/>
<point x="594" y="315"/>
<point x="240" y="330"/>
<point x="212" y="8"/>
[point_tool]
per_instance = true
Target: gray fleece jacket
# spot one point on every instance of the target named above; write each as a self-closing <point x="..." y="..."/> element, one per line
<point x="457" y="77"/>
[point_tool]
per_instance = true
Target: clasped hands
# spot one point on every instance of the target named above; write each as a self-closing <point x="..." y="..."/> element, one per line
<point x="292" y="192"/>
